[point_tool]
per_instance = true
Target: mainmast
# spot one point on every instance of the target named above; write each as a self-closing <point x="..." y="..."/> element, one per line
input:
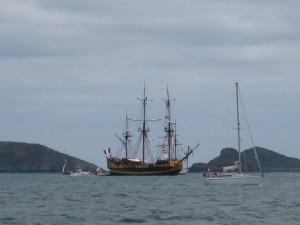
<point x="144" y="131"/>
<point x="238" y="124"/>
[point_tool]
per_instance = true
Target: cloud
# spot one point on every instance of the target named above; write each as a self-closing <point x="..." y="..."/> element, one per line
<point x="77" y="67"/>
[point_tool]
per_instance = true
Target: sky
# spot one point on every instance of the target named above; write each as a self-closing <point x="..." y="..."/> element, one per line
<point x="70" y="70"/>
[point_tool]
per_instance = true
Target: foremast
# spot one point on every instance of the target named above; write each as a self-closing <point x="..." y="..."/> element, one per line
<point x="127" y="135"/>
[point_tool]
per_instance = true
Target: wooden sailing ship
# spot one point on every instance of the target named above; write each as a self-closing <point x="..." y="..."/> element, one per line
<point x="131" y="165"/>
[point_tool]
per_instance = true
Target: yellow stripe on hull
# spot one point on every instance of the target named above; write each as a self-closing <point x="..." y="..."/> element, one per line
<point x="169" y="168"/>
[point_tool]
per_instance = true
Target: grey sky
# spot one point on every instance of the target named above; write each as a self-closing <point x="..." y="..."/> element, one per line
<point x="71" y="69"/>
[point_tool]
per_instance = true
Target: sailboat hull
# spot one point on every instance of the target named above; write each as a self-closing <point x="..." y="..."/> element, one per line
<point x="139" y="169"/>
<point x="240" y="179"/>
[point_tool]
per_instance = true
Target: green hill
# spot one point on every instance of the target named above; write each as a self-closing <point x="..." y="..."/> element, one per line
<point x="269" y="161"/>
<point x="24" y="157"/>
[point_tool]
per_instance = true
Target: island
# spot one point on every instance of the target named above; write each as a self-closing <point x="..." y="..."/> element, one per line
<point x="270" y="161"/>
<point x="17" y="157"/>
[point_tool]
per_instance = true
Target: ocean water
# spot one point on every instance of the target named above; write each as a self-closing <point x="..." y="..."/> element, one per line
<point x="170" y="200"/>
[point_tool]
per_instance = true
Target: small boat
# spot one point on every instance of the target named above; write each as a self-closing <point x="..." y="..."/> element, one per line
<point x="143" y="160"/>
<point x="64" y="171"/>
<point x="101" y="172"/>
<point x="79" y="172"/>
<point x="184" y="171"/>
<point x="235" y="178"/>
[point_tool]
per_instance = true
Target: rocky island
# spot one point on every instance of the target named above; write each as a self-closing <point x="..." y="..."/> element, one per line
<point x="19" y="157"/>
<point x="270" y="161"/>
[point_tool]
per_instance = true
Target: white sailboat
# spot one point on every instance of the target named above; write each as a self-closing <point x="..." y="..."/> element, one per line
<point x="238" y="178"/>
<point x="184" y="171"/>
<point x="64" y="171"/>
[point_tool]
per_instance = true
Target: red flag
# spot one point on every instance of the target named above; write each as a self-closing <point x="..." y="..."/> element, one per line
<point x="164" y="148"/>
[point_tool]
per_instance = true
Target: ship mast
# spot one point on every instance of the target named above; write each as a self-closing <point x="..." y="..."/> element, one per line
<point x="144" y="100"/>
<point x="238" y="124"/>
<point x="126" y="136"/>
<point x="175" y="141"/>
<point x="169" y="129"/>
<point x="144" y="130"/>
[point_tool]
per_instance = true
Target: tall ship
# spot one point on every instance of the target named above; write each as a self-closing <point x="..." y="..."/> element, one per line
<point x="142" y="159"/>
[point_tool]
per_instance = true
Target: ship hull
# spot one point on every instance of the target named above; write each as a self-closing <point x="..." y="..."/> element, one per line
<point x="140" y="169"/>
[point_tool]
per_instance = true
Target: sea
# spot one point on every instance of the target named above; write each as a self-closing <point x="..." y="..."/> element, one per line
<point x="58" y="199"/>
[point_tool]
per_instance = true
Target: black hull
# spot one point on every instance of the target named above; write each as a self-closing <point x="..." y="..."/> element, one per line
<point x="128" y="169"/>
<point x="125" y="172"/>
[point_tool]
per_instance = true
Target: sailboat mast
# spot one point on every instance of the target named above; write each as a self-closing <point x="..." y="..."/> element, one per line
<point x="238" y="125"/>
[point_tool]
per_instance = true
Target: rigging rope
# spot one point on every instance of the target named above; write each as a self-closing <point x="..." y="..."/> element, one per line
<point x="248" y="126"/>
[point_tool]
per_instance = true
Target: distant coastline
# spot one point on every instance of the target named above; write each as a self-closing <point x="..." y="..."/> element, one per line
<point x="18" y="157"/>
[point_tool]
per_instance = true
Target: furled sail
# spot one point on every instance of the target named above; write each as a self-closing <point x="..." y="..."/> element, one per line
<point x="231" y="168"/>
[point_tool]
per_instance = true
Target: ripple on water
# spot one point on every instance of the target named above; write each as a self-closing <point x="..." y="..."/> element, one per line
<point x="51" y="199"/>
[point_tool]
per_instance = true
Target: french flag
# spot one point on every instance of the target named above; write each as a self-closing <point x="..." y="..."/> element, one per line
<point x="106" y="151"/>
